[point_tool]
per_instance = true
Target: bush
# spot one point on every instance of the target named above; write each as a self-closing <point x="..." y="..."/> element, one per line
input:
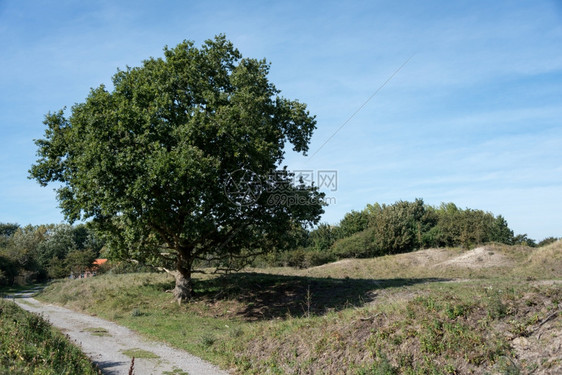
<point x="317" y="258"/>
<point x="399" y="227"/>
<point x="547" y="241"/>
<point x="268" y="260"/>
<point x="358" y="245"/>
<point x="8" y="270"/>
<point x="296" y="258"/>
<point x="467" y="228"/>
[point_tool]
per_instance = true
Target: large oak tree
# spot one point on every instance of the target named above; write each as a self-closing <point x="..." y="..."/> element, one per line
<point x="182" y="159"/>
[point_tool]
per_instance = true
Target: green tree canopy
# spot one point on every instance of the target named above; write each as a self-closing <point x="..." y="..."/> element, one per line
<point x="8" y="229"/>
<point x="182" y="159"/>
<point x="353" y="222"/>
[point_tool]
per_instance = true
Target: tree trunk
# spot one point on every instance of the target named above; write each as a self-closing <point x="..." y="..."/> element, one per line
<point x="184" y="286"/>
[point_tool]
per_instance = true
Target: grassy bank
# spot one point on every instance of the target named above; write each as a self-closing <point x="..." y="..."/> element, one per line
<point x="28" y="345"/>
<point x="441" y="311"/>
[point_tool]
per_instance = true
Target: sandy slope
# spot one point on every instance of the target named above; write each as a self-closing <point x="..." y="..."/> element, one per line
<point x="106" y="350"/>
<point x="480" y="257"/>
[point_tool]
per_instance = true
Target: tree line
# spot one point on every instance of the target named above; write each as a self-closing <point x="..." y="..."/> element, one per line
<point x="38" y="253"/>
<point x="381" y="229"/>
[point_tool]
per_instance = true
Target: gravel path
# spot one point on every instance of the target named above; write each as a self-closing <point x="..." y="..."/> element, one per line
<point x="104" y="342"/>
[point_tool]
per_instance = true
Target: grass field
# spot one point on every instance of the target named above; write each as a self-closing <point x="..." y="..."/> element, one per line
<point x="28" y="345"/>
<point x="494" y="309"/>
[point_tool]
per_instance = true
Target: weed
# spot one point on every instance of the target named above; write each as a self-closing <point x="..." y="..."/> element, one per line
<point x="496" y="308"/>
<point x="431" y="337"/>
<point x="507" y="367"/>
<point x="518" y="328"/>
<point x="207" y="340"/>
<point x="136" y="312"/>
<point x="428" y="302"/>
<point x="455" y="310"/>
<point x="236" y="332"/>
<point x="381" y="366"/>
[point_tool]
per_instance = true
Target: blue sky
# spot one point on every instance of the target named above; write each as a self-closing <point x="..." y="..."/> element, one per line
<point x="474" y="117"/>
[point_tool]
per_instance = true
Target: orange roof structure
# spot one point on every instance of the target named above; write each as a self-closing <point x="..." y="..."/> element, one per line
<point x="99" y="262"/>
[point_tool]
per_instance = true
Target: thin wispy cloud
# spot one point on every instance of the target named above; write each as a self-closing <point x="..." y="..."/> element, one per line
<point x="474" y="118"/>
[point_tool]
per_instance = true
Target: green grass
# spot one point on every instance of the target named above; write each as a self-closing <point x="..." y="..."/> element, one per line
<point x="28" y="345"/>
<point x="139" y="353"/>
<point x="389" y="315"/>
<point x="98" y="331"/>
<point x="176" y="371"/>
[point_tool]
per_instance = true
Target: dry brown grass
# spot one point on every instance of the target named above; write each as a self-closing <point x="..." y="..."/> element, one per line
<point x="481" y="257"/>
<point x="457" y="328"/>
<point x="545" y="262"/>
<point x="491" y="260"/>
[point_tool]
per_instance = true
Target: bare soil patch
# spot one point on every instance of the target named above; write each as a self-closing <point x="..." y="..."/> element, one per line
<point x="423" y="258"/>
<point x="544" y="346"/>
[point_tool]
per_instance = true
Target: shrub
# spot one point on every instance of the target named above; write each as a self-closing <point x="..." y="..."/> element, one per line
<point x="296" y="258"/>
<point x="358" y="245"/>
<point x="317" y="258"/>
<point x="547" y="241"/>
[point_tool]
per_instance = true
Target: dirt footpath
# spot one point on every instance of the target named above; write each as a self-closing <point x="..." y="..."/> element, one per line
<point x="105" y="343"/>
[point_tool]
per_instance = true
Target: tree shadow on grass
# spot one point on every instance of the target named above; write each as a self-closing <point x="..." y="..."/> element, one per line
<point x="265" y="296"/>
